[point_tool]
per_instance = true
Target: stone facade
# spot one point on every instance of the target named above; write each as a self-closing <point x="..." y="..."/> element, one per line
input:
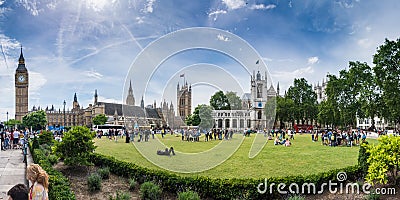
<point x="21" y="89"/>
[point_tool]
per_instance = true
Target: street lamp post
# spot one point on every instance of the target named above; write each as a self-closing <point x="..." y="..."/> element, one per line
<point x="7" y="122"/>
<point x="64" y="116"/>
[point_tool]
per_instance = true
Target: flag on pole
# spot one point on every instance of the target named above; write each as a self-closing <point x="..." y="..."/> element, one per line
<point x="258" y="61"/>
<point x="182" y="75"/>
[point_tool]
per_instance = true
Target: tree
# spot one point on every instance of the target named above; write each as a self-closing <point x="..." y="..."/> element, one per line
<point x="387" y="71"/>
<point x="305" y="100"/>
<point x="12" y="123"/>
<point x="384" y="160"/>
<point x="234" y="101"/>
<point x="206" y="119"/>
<point x="284" y="110"/>
<point x="270" y="112"/>
<point x="76" y="146"/>
<point x="37" y="120"/>
<point x="332" y="110"/>
<point x="99" y="119"/>
<point x="201" y="116"/>
<point x="219" y="101"/>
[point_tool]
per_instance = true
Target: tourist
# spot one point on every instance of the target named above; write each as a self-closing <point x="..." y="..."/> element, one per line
<point x="363" y="137"/>
<point x="312" y="136"/>
<point x="277" y="142"/>
<point x="18" y="192"/>
<point x="287" y="143"/>
<point x="40" y="182"/>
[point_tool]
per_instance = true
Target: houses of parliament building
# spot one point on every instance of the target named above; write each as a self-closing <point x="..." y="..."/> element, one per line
<point x="122" y="114"/>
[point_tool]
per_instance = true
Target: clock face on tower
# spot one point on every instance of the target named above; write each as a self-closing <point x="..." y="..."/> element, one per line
<point x="21" y="78"/>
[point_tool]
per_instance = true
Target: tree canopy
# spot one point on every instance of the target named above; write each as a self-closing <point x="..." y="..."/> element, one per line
<point x="99" y="119"/>
<point x="202" y="117"/>
<point x="234" y="101"/>
<point x="387" y="71"/>
<point x="219" y="101"/>
<point x="37" y="120"/>
<point x="304" y="99"/>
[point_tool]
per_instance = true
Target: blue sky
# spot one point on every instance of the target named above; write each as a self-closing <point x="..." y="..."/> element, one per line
<point x="80" y="46"/>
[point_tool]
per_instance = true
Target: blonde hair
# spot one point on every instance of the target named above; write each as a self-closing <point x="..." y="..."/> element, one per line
<point x="37" y="174"/>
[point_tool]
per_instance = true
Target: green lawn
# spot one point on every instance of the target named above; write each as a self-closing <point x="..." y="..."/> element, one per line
<point x="303" y="157"/>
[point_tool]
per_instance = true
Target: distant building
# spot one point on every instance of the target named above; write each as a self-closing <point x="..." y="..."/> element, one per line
<point x="253" y="113"/>
<point x="320" y="91"/>
<point x="184" y="100"/>
<point x="366" y="123"/>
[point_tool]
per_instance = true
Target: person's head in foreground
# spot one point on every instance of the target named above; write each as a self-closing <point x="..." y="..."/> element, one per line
<point x="18" y="192"/>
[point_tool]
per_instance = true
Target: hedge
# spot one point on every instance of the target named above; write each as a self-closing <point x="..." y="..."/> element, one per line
<point x="218" y="188"/>
<point x="59" y="186"/>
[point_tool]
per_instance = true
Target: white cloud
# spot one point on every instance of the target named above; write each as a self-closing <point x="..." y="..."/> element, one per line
<point x="290" y="75"/>
<point x="148" y="8"/>
<point x="96" y="5"/>
<point x="365" y="42"/>
<point x="234" y="4"/>
<point x="139" y="20"/>
<point x="93" y="74"/>
<point x="216" y="14"/>
<point x="262" y="7"/>
<point x="313" y="60"/>
<point x="222" y="38"/>
<point x="109" y="100"/>
<point x="31" y="6"/>
<point x="36" y="82"/>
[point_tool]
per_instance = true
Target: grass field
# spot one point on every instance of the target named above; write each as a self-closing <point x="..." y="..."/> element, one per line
<point x="302" y="158"/>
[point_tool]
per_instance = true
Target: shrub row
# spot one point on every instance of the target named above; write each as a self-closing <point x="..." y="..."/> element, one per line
<point x="59" y="186"/>
<point x="218" y="188"/>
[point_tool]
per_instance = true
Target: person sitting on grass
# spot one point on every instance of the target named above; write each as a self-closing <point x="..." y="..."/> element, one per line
<point x="284" y="141"/>
<point x="166" y="152"/>
<point x="287" y="143"/>
<point x="277" y="142"/>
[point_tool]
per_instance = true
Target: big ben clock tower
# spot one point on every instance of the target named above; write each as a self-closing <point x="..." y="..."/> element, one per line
<point x="21" y="89"/>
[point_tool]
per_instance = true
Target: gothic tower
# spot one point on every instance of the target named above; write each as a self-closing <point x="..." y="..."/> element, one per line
<point x="259" y="95"/>
<point x="75" y="104"/>
<point x="184" y="100"/>
<point x="21" y="89"/>
<point x="130" y="100"/>
<point x="95" y="97"/>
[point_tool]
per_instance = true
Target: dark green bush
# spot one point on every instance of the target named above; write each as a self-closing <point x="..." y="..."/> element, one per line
<point x="35" y="143"/>
<point x="188" y="195"/>
<point x="216" y="188"/>
<point x="296" y="197"/>
<point x="46" y="137"/>
<point x="53" y="159"/>
<point x="372" y="196"/>
<point x="121" y="196"/>
<point x="362" y="158"/>
<point x="104" y="172"/>
<point x="94" y="182"/>
<point x="132" y="184"/>
<point x="151" y="191"/>
<point x="59" y="186"/>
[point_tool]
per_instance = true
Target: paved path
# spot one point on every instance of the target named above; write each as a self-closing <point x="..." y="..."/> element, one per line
<point x="12" y="170"/>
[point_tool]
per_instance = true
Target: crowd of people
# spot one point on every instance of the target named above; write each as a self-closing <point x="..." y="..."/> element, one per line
<point x="339" y="138"/>
<point x="13" y="139"/>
